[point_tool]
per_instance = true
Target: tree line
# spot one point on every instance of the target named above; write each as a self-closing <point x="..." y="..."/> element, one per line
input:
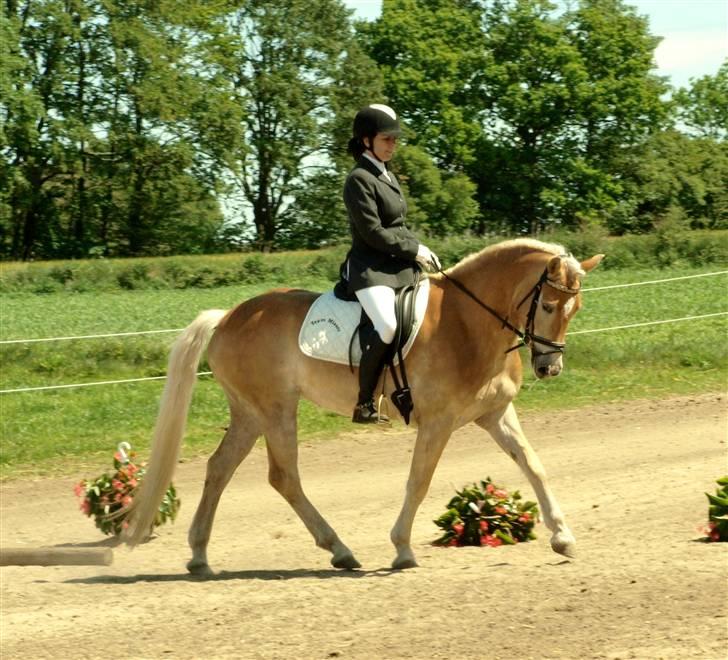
<point x="135" y="128"/>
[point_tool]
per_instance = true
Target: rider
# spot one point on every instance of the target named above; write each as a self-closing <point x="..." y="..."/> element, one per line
<point x="384" y="253"/>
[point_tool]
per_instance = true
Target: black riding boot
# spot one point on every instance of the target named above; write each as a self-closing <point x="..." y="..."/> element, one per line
<point x="374" y="352"/>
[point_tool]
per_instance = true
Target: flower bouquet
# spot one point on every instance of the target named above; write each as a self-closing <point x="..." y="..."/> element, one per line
<point x="105" y="497"/>
<point x="718" y="512"/>
<point x="486" y="515"/>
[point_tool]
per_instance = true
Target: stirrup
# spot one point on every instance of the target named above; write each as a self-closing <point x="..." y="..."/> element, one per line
<point x="383" y="409"/>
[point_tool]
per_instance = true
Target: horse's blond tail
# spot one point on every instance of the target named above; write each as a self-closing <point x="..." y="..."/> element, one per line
<point x="184" y="359"/>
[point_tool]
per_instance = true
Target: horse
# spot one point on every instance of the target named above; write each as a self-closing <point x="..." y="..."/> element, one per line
<point x="462" y="368"/>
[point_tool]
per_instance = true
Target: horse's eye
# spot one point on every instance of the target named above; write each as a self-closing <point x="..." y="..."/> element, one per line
<point x="548" y="307"/>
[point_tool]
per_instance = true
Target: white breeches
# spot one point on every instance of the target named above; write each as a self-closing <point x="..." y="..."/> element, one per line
<point x="378" y="303"/>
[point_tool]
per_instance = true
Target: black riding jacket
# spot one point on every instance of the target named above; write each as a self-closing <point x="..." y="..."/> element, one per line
<point x="383" y="249"/>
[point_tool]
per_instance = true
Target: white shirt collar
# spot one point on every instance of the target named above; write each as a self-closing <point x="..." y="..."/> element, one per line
<point x="379" y="164"/>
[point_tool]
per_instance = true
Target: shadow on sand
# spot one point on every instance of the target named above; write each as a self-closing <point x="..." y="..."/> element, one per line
<point x="292" y="574"/>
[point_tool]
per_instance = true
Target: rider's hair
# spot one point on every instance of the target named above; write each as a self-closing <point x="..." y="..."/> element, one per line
<point x="356" y="147"/>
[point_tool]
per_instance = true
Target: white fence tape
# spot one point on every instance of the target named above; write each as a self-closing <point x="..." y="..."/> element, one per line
<point x="114" y="334"/>
<point x="208" y="373"/>
<point x="669" y="279"/>
<point x="152" y="332"/>
<point x="641" y="325"/>
<point x="103" y="382"/>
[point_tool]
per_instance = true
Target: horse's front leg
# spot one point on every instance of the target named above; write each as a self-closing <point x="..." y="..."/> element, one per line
<point x="431" y="440"/>
<point x="507" y="432"/>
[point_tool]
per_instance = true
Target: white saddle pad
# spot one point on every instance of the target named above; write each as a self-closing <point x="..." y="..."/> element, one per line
<point x="327" y="329"/>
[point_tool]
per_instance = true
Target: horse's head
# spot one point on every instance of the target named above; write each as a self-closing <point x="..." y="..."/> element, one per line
<point x="554" y="302"/>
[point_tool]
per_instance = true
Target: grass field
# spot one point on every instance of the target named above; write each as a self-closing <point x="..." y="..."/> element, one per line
<point x="42" y="431"/>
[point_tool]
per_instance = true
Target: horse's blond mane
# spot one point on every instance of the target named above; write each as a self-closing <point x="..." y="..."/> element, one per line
<point x="510" y="249"/>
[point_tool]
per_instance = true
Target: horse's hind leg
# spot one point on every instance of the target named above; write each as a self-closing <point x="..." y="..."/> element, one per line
<point x="283" y="475"/>
<point x="235" y="446"/>
<point x="506" y="431"/>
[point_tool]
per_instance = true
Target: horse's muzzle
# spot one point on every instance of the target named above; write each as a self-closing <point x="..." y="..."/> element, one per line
<point x="547" y="366"/>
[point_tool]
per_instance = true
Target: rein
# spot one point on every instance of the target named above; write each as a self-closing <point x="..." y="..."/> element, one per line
<point x="527" y="335"/>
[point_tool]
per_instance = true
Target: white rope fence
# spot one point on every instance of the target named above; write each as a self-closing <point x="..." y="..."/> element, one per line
<point x="208" y="373"/>
<point x="669" y="279"/>
<point x="153" y="332"/>
<point x="641" y="325"/>
<point x="111" y="334"/>
<point x="103" y="382"/>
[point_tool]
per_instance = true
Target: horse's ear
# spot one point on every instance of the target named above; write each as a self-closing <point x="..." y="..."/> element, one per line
<point x="554" y="268"/>
<point x="592" y="263"/>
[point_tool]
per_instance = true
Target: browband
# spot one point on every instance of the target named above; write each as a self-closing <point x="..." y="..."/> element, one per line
<point x="561" y="287"/>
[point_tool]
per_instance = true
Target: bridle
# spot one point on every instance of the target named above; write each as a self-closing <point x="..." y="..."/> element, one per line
<point x="527" y="336"/>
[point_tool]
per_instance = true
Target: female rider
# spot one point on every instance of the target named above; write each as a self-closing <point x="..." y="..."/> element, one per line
<point x="384" y="254"/>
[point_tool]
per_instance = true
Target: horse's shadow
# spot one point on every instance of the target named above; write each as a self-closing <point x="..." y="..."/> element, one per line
<point x="289" y="574"/>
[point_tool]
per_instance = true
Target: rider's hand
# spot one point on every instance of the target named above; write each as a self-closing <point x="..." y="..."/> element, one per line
<point x="427" y="258"/>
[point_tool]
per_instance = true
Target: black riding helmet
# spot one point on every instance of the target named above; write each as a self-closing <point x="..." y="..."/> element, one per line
<point x="369" y="121"/>
<point x="376" y="118"/>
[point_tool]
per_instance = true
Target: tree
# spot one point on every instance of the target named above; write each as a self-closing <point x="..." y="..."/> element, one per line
<point x="35" y="139"/>
<point x="619" y="102"/>
<point x="109" y="106"/>
<point x="537" y="105"/>
<point x="440" y="203"/>
<point x="430" y="54"/>
<point x="530" y="89"/>
<point x="703" y="107"/>
<point x="170" y="124"/>
<point x="619" y="107"/>
<point x="286" y="65"/>
<point x="676" y="176"/>
<point x="316" y="215"/>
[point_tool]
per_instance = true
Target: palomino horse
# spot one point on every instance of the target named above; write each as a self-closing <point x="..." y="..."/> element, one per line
<point x="460" y="370"/>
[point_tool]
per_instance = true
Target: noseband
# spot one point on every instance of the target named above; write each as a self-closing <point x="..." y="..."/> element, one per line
<point x="527" y="335"/>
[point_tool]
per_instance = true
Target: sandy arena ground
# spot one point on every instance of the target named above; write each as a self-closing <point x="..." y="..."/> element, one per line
<point x="630" y="478"/>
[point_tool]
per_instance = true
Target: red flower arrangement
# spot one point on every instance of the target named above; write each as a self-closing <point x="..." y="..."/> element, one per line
<point x="486" y="515"/>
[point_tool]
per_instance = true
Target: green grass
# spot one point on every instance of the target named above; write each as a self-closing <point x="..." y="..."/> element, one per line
<point x="43" y="431"/>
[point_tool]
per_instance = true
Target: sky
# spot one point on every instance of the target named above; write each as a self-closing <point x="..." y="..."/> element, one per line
<point x="695" y="34"/>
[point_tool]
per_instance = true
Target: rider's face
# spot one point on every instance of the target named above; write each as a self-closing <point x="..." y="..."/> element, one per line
<point x="383" y="146"/>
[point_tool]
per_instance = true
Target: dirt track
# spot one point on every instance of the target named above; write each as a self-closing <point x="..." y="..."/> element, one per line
<point x="629" y="477"/>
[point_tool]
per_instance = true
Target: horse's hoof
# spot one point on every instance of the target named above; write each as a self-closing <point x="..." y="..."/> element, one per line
<point x="347" y="562"/>
<point x="199" y="568"/>
<point x="406" y="562"/>
<point x="564" y="545"/>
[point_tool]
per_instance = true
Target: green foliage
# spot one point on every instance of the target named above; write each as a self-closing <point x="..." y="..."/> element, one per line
<point x="132" y="129"/>
<point x="111" y="145"/>
<point x="438" y="203"/>
<point x="105" y="497"/>
<point x="295" y="56"/>
<point x="429" y="54"/>
<point x="675" y="174"/>
<point x="183" y="272"/>
<point x="487" y="515"/>
<point x="549" y="112"/>
<point x="718" y="512"/>
<point x="703" y="107"/>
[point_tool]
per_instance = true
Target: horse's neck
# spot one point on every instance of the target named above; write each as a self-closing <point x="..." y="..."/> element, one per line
<point x="502" y="281"/>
